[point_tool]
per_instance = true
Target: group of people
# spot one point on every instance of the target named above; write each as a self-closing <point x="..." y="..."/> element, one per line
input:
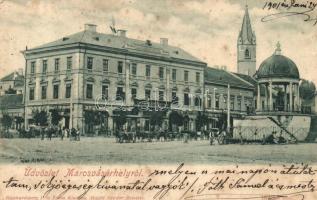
<point x="72" y="134"/>
<point x="217" y="137"/>
<point x="274" y="138"/>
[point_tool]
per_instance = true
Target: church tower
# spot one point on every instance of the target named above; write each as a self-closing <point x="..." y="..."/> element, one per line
<point x="246" y="47"/>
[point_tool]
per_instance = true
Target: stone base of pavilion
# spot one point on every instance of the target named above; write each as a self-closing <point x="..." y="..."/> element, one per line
<point x="281" y="113"/>
<point x="291" y="126"/>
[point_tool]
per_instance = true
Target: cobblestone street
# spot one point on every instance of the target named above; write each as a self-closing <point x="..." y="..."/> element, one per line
<point x="107" y="151"/>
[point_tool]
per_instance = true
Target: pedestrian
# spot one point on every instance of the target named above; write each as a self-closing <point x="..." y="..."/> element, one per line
<point x="241" y="138"/>
<point x="78" y="134"/>
<point x="61" y="132"/>
<point x="65" y="132"/>
<point x="50" y="132"/>
<point x="72" y="134"/>
<point x="42" y="133"/>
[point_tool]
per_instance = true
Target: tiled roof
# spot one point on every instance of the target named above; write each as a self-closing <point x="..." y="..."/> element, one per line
<point x="219" y="76"/>
<point x="13" y="76"/>
<point x="11" y="101"/>
<point x="122" y="43"/>
<point x="247" y="78"/>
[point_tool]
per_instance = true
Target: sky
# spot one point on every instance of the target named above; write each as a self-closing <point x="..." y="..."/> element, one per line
<point x="208" y="29"/>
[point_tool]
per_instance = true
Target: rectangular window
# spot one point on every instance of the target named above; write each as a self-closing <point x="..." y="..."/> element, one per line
<point x="90" y="62"/>
<point x="239" y="104"/>
<point x="186" y="99"/>
<point x="134" y="65"/>
<point x="147" y="94"/>
<point x="161" y="72"/>
<point x="148" y="71"/>
<point x="232" y="104"/>
<point x="133" y="93"/>
<point x="89" y="91"/>
<point x="104" y="92"/>
<point x="43" y="92"/>
<point x="33" y="67"/>
<point x="69" y="63"/>
<point x="186" y="76"/>
<point x="105" y="65"/>
<point x="174" y="74"/>
<point x="161" y="95"/>
<point x="55" y="91"/>
<point x="174" y="98"/>
<point x="217" y="101"/>
<point x="68" y="90"/>
<point x="56" y="64"/>
<point x="44" y="67"/>
<point x="120" y="67"/>
<point x="31" y="97"/>
<point x="197" y="101"/>
<point x="120" y="96"/>
<point x="209" y="101"/>
<point x="197" y="77"/>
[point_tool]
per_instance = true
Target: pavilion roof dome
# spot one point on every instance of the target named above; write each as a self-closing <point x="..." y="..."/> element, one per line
<point x="278" y="66"/>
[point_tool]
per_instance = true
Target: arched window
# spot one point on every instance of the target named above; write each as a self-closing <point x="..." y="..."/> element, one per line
<point x="247" y="53"/>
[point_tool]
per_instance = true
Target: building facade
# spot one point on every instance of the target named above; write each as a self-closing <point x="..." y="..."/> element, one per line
<point x="102" y="73"/>
<point x="218" y="85"/>
<point x="12" y="83"/>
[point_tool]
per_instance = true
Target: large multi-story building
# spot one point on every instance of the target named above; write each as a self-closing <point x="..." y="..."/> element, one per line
<point x="96" y="72"/>
<point x="90" y="77"/>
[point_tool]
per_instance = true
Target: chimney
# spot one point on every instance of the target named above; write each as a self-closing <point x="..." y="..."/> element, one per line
<point x="90" y="27"/>
<point x="164" y="41"/>
<point x="20" y="71"/>
<point x="122" y="33"/>
<point x="224" y="67"/>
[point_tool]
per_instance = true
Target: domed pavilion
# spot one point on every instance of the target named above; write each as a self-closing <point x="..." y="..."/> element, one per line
<point x="278" y="76"/>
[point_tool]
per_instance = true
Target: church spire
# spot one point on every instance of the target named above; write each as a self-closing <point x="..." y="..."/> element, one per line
<point x="246" y="47"/>
<point x="246" y="34"/>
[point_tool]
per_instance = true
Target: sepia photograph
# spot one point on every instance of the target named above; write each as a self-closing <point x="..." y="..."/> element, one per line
<point x="141" y="82"/>
<point x="158" y="99"/>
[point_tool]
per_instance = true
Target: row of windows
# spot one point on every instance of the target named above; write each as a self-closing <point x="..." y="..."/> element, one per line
<point x="232" y="103"/>
<point x="105" y="62"/>
<point x="69" y="65"/>
<point x="120" y="95"/>
<point x="55" y="92"/>
<point x="134" y="70"/>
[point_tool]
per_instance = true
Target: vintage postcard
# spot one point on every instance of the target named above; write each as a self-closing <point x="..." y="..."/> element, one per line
<point x="158" y="99"/>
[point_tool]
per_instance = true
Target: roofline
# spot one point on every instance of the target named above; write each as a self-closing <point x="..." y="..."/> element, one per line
<point x="81" y="45"/>
<point x="240" y="78"/>
<point x="236" y="73"/>
<point x="226" y="84"/>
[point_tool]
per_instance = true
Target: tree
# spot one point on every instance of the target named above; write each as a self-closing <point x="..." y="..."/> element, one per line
<point x="307" y="89"/>
<point x="40" y="117"/>
<point x="201" y="120"/>
<point x="89" y="117"/>
<point x="6" y="121"/>
<point x="176" y="118"/>
<point x="120" y="119"/>
<point x="55" y="116"/>
<point x="19" y="120"/>
<point x="156" y="118"/>
<point x="10" y="91"/>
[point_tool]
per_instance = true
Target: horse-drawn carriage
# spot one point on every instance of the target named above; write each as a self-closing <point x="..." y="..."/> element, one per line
<point x="217" y="136"/>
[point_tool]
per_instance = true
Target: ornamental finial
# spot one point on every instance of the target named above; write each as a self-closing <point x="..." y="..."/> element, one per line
<point x="278" y="49"/>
